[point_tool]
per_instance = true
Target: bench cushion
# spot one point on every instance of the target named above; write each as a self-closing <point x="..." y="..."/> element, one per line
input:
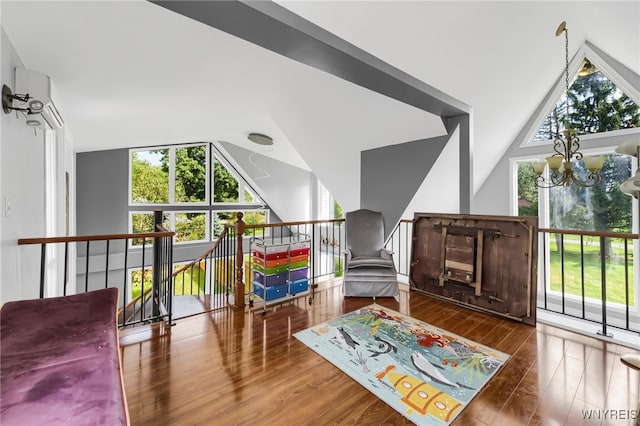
<point x="60" y="361"/>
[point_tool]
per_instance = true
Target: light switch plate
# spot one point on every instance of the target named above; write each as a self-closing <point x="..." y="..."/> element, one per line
<point x="7" y="207"/>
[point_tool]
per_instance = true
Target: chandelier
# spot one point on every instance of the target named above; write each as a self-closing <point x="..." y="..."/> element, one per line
<point x="566" y="145"/>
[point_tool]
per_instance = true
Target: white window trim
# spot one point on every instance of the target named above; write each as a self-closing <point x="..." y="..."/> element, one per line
<point x="554" y="94"/>
<point x="543" y="222"/>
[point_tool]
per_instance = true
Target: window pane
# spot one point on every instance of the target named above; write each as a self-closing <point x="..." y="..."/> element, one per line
<point x="255" y="217"/>
<point x="337" y="210"/>
<point x="150" y="176"/>
<point x="527" y="190"/>
<point x="225" y="185"/>
<point x="249" y="197"/>
<point x="601" y="208"/>
<point x="143" y="222"/>
<point x="191" y="227"/>
<point x="595" y="105"/>
<point x="138" y="279"/>
<point x="191" y="174"/>
<point x="191" y="281"/>
<point x="220" y="219"/>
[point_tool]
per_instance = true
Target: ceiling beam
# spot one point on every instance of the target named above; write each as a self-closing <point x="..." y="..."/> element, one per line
<point x="275" y="28"/>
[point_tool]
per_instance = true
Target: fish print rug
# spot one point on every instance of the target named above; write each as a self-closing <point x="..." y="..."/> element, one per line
<point x="426" y="373"/>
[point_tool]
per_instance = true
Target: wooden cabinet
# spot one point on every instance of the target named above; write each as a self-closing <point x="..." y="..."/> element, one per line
<point x="483" y="262"/>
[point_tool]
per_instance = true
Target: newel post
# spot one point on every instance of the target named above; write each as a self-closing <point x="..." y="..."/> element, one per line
<point x="239" y="285"/>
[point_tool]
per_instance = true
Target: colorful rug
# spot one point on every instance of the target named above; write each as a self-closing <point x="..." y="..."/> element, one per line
<point x="427" y="374"/>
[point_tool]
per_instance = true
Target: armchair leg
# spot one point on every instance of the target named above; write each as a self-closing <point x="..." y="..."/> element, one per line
<point x="633" y="361"/>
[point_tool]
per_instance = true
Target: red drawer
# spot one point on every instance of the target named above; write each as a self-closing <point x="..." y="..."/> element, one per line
<point x="299" y="252"/>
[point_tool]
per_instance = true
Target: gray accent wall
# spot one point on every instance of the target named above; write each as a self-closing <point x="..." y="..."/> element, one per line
<point x="102" y="192"/>
<point x="391" y="175"/>
<point x="463" y="123"/>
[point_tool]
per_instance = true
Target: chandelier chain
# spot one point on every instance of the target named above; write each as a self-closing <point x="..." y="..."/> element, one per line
<point x="566" y="144"/>
<point x="566" y="75"/>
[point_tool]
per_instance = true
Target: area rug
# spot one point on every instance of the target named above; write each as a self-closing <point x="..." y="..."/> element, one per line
<point x="426" y="373"/>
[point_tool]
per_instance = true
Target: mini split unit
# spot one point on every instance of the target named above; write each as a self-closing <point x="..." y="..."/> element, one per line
<point x="32" y="97"/>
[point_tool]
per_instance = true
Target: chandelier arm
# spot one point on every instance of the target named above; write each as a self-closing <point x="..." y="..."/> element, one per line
<point x="591" y="180"/>
<point x="559" y="147"/>
<point x="557" y="178"/>
<point x="542" y="183"/>
<point x="575" y="147"/>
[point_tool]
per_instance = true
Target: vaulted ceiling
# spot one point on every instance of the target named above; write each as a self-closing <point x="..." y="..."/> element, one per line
<point x="132" y="73"/>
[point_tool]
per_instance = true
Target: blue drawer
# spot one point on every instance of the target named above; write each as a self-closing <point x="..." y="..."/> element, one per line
<point x="298" y="287"/>
<point x="273" y="292"/>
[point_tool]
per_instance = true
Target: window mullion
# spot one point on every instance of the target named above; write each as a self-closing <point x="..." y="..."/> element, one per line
<point x="172" y="176"/>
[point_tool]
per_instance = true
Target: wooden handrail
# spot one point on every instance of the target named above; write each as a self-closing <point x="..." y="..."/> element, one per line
<point x="203" y="255"/>
<point x="575" y="232"/>
<point x="590" y="233"/>
<point x="84" y="238"/>
<point x="308" y="222"/>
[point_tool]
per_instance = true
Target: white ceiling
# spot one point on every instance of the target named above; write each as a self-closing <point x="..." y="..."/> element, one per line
<point x="134" y="74"/>
<point x="131" y="73"/>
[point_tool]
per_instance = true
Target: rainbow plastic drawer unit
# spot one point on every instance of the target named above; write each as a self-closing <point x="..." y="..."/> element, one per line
<point x="280" y="269"/>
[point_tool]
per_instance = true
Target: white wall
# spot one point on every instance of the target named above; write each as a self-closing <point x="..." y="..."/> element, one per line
<point x="493" y="197"/>
<point x="287" y="189"/>
<point x="22" y="184"/>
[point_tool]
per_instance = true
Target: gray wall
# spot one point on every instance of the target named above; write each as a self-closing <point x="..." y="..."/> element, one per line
<point x="391" y="175"/>
<point x="102" y="192"/>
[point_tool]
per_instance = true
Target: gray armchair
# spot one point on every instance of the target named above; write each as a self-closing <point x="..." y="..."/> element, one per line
<point x="369" y="269"/>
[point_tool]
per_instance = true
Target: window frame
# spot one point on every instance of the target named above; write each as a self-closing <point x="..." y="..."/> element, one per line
<point x="172" y="176"/>
<point x="544" y="222"/>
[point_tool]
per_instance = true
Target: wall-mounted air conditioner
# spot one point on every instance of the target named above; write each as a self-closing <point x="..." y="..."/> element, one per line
<point x="40" y="87"/>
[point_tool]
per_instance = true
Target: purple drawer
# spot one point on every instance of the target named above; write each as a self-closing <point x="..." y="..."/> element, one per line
<point x="298" y="274"/>
<point x="269" y="280"/>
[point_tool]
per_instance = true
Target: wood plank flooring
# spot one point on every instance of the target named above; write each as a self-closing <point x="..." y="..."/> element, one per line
<point x="241" y="368"/>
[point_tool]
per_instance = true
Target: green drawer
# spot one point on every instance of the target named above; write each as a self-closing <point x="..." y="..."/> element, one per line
<point x="270" y="271"/>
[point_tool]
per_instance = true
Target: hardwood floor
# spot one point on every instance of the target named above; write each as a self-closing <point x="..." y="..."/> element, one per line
<point x="237" y="368"/>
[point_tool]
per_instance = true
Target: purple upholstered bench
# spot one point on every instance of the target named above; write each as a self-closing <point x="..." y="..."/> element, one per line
<point x="60" y="361"/>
